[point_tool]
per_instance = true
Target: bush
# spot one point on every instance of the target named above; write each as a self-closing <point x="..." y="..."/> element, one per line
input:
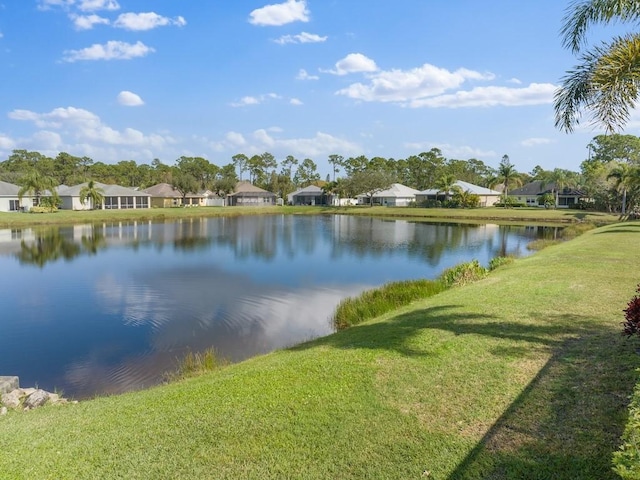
<point x="631" y="325"/>
<point x="626" y="461"/>
<point x="43" y="209"/>
<point x="463" y="274"/>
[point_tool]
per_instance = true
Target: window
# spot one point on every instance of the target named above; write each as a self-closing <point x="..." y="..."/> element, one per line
<point x="142" y="202"/>
<point x="126" y="202"/>
<point x="14" y="205"/>
<point x="110" y="203"/>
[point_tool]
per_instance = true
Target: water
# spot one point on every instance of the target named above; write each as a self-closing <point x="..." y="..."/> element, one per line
<point x="109" y="308"/>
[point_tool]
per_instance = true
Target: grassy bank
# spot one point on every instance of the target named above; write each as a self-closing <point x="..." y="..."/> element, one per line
<point x="498" y="215"/>
<point x="523" y="374"/>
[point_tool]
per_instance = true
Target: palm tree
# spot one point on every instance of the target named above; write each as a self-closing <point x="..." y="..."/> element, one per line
<point x="93" y="193"/>
<point x="36" y="184"/>
<point x="558" y="179"/>
<point x="445" y="185"/>
<point x="506" y="176"/>
<point x="606" y="82"/>
<point x="627" y="178"/>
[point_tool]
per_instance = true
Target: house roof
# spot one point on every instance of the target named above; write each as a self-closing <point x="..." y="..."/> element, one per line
<point x="536" y="187"/>
<point x="165" y="190"/>
<point x="310" y="190"/>
<point x="8" y="189"/>
<point x="109" y="191"/>
<point x="465" y="186"/>
<point x="247" y="189"/>
<point x="396" y="190"/>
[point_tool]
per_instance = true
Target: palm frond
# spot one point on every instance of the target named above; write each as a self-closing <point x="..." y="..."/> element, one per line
<point x="581" y="14"/>
<point x="604" y="86"/>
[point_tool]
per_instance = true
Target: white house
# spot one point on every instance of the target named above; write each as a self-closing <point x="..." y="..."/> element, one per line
<point x="487" y="196"/>
<point x="311" y="195"/>
<point x="9" y="201"/>
<point x="115" y="198"/>
<point x="397" y="195"/>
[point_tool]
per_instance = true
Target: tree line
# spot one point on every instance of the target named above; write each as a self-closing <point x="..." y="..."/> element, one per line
<point x="609" y="177"/>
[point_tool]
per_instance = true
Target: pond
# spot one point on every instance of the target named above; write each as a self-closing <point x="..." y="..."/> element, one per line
<point x="104" y="309"/>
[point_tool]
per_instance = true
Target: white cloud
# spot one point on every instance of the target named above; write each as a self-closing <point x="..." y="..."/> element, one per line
<point x="320" y="144"/>
<point x="411" y="85"/>
<point x="451" y="151"/>
<point x="280" y="13"/>
<point x="246" y="101"/>
<point x="295" y="101"/>
<point x="86" y="22"/>
<point x="354" y="63"/>
<point x="48" y="4"/>
<point x="250" y="100"/>
<point x="146" y="21"/>
<point x="6" y="143"/>
<point x="515" y="81"/>
<point x="48" y="140"/>
<point x="85" y="126"/>
<point x="303" y="75"/>
<point x="303" y="37"/>
<point x="236" y="139"/>
<point x="129" y="99"/>
<point x="532" y="142"/>
<point x="112" y="50"/>
<point x="94" y="5"/>
<point x="534" y="94"/>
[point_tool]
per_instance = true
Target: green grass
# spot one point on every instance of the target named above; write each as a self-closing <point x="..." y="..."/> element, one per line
<point x="523" y="374"/>
<point x="498" y="215"/>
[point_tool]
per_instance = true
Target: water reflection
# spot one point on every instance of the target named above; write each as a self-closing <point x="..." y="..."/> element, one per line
<point x="112" y="305"/>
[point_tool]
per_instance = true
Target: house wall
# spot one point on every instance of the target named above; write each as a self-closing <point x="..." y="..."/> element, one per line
<point x="5" y="203"/>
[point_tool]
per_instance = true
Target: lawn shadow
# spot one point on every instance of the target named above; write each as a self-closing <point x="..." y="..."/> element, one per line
<point x="567" y="422"/>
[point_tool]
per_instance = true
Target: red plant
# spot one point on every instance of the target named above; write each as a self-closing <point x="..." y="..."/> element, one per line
<point x="632" y="316"/>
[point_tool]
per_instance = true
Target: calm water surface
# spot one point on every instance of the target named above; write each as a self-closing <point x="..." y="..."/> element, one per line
<point x="110" y="308"/>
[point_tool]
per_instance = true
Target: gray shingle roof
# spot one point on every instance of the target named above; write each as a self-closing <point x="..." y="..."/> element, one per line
<point x="8" y="189"/>
<point x="109" y="191"/>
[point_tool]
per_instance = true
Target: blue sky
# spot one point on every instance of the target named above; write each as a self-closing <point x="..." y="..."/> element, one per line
<point x="137" y="80"/>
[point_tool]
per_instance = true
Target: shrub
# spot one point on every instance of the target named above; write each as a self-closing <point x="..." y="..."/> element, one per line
<point x="43" y="209"/>
<point x="463" y="274"/>
<point x="541" y="243"/>
<point x="631" y="325"/>
<point x="626" y="461"/>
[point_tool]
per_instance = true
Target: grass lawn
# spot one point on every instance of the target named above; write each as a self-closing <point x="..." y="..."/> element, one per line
<point x="521" y="375"/>
<point x="499" y="215"/>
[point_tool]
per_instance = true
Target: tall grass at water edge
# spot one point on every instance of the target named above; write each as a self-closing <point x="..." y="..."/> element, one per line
<point x="389" y="297"/>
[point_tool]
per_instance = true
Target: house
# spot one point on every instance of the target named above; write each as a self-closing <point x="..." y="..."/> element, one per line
<point x="164" y="195"/>
<point x="248" y="195"/>
<point x="487" y="196"/>
<point x="115" y="198"/>
<point x="397" y="195"/>
<point x="311" y="195"/>
<point x="530" y="193"/>
<point x="9" y="201"/>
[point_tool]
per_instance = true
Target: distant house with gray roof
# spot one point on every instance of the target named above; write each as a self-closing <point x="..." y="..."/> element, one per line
<point x="397" y="195"/>
<point x="311" y="195"/>
<point x="248" y="195"/>
<point x="9" y="200"/>
<point x="531" y="192"/>
<point x="164" y="195"/>
<point x="488" y="197"/>
<point x="116" y="197"/>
